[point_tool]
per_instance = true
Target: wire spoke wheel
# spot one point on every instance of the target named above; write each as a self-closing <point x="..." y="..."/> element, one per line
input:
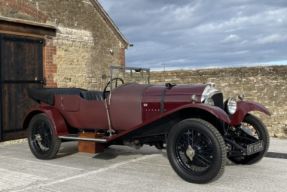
<point x="196" y="151"/>
<point x="41" y="136"/>
<point x="43" y="142"/>
<point x="253" y="130"/>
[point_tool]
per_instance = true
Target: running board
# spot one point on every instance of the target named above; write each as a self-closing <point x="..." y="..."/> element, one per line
<point x="76" y="138"/>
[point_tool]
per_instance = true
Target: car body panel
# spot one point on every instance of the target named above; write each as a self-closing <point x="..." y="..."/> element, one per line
<point x="126" y="106"/>
<point x="80" y="113"/>
<point x="159" y="99"/>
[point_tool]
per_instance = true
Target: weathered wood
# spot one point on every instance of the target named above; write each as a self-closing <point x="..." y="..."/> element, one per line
<point x="21" y="62"/>
<point x="8" y="136"/>
<point x="27" y="28"/>
<point x="90" y="147"/>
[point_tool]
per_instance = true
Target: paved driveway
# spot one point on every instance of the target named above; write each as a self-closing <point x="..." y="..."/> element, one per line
<point x="125" y="169"/>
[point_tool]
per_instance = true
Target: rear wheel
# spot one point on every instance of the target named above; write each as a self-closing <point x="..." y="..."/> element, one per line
<point x="196" y="151"/>
<point x="43" y="142"/>
<point x="258" y="131"/>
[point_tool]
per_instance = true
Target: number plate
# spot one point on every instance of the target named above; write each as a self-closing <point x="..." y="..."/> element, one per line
<point x="255" y="148"/>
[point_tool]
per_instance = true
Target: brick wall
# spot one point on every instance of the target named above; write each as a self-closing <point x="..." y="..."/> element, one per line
<point x="84" y="47"/>
<point x="266" y="85"/>
<point x="50" y="68"/>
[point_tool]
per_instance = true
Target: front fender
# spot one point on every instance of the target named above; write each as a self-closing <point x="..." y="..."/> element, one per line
<point x="53" y="114"/>
<point x="215" y="111"/>
<point x="244" y="107"/>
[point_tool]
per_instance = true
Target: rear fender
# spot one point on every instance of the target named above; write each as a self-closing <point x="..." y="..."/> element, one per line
<point x="55" y="117"/>
<point x="244" y="107"/>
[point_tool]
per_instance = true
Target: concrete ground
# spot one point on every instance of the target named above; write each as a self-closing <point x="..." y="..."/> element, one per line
<point x="125" y="169"/>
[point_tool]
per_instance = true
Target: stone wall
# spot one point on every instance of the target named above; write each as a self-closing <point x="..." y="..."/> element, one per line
<point x="85" y="44"/>
<point x="266" y="85"/>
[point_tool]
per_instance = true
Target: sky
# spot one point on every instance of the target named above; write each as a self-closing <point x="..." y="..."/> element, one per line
<point x="192" y="34"/>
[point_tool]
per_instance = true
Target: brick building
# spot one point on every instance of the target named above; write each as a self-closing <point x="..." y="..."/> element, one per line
<point x="85" y="42"/>
<point x="65" y="43"/>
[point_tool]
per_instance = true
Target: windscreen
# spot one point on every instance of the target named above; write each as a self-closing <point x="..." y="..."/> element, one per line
<point x="131" y="74"/>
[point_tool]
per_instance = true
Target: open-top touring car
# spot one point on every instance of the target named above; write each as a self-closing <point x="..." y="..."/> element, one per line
<point x="193" y="122"/>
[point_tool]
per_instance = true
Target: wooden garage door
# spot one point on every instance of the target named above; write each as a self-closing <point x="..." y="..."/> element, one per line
<point x="21" y="64"/>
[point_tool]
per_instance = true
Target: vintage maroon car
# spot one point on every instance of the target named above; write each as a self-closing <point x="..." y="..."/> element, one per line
<point x="193" y="122"/>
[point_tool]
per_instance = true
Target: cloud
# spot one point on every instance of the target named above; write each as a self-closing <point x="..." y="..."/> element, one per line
<point x="231" y="38"/>
<point x="201" y="33"/>
<point x="274" y="38"/>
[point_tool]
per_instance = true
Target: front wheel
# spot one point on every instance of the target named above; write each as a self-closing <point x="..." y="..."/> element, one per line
<point x="196" y="151"/>
<point x="43" y="142"/>
<point x="258" y="130"/>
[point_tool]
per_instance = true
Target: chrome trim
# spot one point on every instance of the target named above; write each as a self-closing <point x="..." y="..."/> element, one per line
<point x="208" y="92"/>
<point x="76" y="138"/>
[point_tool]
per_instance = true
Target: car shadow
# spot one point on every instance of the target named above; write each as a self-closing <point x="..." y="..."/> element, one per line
<point x="112" y="152"/>
<point x="276" y="155"/>
<point x="67" y="149"/>
<point x="115" y="151"/>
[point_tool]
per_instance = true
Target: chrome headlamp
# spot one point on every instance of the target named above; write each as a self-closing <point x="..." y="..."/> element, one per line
<point x="231" y="106"/>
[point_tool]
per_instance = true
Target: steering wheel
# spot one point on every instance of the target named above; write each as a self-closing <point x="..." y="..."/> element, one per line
<point x="106" y="91"/>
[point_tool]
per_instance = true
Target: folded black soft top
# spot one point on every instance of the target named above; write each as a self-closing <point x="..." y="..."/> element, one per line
<point x="46" y="95"/>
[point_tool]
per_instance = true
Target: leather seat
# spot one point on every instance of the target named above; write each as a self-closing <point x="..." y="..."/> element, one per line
<point x="92" y="95"/>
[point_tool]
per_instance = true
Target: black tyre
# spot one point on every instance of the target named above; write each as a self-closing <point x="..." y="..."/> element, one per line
<point x="260" y="132"/>
<point x="43" y="142"/>
<point x="196" y="151"/>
